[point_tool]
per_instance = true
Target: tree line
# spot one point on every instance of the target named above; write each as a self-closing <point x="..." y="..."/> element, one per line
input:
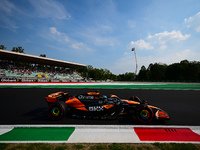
<point x="18" y="49"/>
<point x="104" y="74"/>
<point x="95" y="74"/>
<point x="185" y="71"/>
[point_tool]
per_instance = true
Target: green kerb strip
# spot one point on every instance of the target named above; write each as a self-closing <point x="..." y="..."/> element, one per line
<point x="152" y="86"/>
<point x="38" y="134"/>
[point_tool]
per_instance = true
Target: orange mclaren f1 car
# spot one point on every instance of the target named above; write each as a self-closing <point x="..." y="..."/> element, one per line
<point x="92" y="105"/>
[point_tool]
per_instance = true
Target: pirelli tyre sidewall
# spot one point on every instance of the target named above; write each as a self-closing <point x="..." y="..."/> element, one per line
<point x="144" y="114"/>
<point x="57" y="110"/>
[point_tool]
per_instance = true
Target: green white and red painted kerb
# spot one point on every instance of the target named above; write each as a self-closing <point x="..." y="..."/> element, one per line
<point x="98" y="134"/>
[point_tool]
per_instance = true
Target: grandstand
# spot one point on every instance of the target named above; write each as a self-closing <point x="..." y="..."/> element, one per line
<point x="10" y="72"/>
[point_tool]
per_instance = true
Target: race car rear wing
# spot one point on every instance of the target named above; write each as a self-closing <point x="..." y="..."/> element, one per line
<point x="54" y="97"/>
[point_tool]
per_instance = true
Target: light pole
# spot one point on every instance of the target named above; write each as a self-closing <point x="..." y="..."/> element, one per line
<point x="133" y="49"/>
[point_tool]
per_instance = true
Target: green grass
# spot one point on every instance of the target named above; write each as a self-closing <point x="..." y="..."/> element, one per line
<point x="116" y="147"/>
<point x="99" y="147"/>
<point x="120" y="86"/>
<point x="113" y="146"/>
<point x="61" y="147"/>
<point x="175" y="146"/>
<point x="78" y="146"/>
<point x="39" y="146"/>
<point x="3" y="146"/>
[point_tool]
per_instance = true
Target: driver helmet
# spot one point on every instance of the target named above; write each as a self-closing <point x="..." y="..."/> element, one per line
<point x="104" y="96"/>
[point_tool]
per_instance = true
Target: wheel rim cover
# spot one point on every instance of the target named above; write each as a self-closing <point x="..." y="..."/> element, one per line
<point x="55" y="111"/>
<point x="144" y="114"/>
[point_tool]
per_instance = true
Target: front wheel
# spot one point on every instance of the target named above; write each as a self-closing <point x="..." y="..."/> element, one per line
<point x="144" y="114"/>
<point x="58" y="110"/>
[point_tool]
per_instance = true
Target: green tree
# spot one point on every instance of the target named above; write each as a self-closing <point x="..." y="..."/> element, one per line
<point x="143" y="74"/>
<point x="18" y="49"/>
<point x="128" y="76"/>
<point x="90" y="71"/>
<point x="2" y="47"/>
<point x="194" y="70"/>
<point x="176" y="72"/>
<point x="107" y="74"/>
<point x="157" y="71"/>
<point x="83" y="71"/>
<point x="42" y="55"/>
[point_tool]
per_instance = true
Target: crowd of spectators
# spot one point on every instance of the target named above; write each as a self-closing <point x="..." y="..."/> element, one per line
<point x="10" y="70"/>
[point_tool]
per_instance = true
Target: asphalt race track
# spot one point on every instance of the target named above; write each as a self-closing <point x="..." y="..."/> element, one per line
<point x="28" y="106"/>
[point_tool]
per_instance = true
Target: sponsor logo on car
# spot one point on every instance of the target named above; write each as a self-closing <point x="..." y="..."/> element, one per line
<point x="85" y="97"/>
<point x="96" y="108"/>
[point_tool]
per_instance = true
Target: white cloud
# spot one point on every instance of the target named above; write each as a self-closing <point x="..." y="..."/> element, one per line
<point x="53" y="34"/>
<point x="132" y="24"/>
<point x="163" y="47"/>
<point x="141" y="44"/>
<point x="127" y="62"/>
<point x="105" y="41"/>
<point x="194" y="22"/>
<point x="99" y="35"/>
<point x="56" y="35"/>
<point x="53" y="30"/>
<point x="7" y="7"/>
<point x="164" y="37"/>
<point x="80" y="46"/>
<point x="182" y="54"/>
<point x="124" y="64"/>
<point x="169" y="58"/>
<point x="9" y="24"/>
<point x="50" y="9"/>
<point x="77" y="45"/>
<point x="8" y="10"/>
<point x="99" y="40"/>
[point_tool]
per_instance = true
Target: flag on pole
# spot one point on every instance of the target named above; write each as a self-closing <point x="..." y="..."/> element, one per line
<point x="133" y="49"/>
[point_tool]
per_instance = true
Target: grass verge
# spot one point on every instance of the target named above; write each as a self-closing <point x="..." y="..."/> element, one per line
<point x="113" y="146"/>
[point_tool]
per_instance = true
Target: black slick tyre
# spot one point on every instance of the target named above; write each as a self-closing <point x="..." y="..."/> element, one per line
<point x="58" y="110"/>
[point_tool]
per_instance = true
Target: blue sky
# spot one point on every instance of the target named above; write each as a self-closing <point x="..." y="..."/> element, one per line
<point x="102" y="33"/>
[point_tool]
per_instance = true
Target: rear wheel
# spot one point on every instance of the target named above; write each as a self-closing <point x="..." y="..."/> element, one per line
<point x="58" y="110"/>
<point x="144" y="114"/>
